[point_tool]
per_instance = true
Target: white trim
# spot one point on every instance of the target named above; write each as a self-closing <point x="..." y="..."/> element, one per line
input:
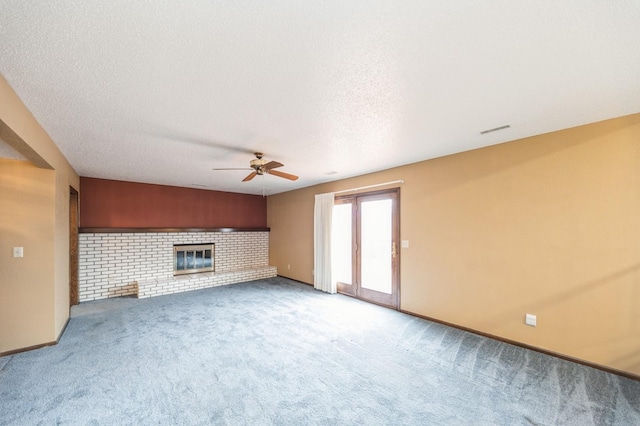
<point x="370" y="186"/>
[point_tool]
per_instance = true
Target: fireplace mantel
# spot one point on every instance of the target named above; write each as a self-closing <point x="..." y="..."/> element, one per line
<point x="137" y="230"/>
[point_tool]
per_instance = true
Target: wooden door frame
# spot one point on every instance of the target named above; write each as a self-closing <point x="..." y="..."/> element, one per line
<point x="354" y="289"/>
<point x="74" y="288"/>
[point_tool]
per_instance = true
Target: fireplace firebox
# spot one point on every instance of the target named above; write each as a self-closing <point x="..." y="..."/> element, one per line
<point x="193" y="258"/>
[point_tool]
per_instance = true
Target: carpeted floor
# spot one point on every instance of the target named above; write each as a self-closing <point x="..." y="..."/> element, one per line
<point x="278" y="352"/>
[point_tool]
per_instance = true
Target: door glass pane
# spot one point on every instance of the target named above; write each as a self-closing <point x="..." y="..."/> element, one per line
<point x="376" y="245"/>
<point x="341" y="243"/>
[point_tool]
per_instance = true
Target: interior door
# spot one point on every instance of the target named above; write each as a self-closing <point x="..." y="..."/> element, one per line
<point x="365" y="237"/>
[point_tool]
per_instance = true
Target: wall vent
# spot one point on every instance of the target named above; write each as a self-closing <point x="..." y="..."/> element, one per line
<point x="495" y="129"/>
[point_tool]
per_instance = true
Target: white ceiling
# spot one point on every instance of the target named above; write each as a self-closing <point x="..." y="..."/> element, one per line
<point x="161" y="91"/>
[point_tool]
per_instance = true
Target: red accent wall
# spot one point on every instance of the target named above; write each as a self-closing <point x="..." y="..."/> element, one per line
<point x="118" y="204"/>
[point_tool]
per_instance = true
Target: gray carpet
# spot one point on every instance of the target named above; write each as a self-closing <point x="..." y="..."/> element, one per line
<point x="278" y="352"/>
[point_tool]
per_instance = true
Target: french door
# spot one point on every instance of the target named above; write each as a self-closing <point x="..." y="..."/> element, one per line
<point x="365" y="256"/>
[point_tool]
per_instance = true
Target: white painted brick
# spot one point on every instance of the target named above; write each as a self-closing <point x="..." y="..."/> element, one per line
<point x="109" y="263"/>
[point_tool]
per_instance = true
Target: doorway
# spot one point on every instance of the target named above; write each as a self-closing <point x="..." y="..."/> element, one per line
<point x="365" y="255"/>
<point x="73" y="247"/>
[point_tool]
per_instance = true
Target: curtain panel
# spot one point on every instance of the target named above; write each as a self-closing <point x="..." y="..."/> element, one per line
<point x="323" y="213"/>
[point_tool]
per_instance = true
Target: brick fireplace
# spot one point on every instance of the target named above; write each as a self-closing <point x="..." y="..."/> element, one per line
<point x="114" y="264"/>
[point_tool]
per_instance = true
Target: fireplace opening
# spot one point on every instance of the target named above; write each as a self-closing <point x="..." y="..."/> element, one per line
<point x="193" y="258"/>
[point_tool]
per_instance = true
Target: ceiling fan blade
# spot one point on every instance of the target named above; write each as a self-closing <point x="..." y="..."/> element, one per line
<point x="272" y="165"/>
<point x="235" y="168"/>
<point x="251" y="176"/>
<point x="282" y="175"/>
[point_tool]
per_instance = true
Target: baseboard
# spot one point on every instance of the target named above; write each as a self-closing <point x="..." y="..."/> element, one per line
<point x="40" y="346"/>
<point x="533" y="348"/>
<point x="28" y="348"/>
<point x="293" y="279"/>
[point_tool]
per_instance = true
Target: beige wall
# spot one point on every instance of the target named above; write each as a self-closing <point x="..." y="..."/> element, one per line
<point x="34" y="290"/>
<point x="26" y="309"/>
<point x="548" y="225"/>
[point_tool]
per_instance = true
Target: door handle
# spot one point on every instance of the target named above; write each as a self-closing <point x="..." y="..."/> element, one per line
<point x="393" y="250"/>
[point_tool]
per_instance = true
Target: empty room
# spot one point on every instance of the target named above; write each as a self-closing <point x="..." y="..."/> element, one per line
<point x="381" y="212"/>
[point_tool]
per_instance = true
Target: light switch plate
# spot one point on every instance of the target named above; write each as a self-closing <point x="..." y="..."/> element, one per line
<point x="18" y="252"/>
<point x="405" y="243"/>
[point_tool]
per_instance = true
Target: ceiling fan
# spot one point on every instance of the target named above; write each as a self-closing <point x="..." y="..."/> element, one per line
<point x="262" y="167"/>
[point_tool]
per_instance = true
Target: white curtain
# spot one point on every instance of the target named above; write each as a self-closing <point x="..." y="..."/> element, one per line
<point x="322" y="243"/>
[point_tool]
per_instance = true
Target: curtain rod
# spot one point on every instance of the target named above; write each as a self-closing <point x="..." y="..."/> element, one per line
<point x="369" y="186"/>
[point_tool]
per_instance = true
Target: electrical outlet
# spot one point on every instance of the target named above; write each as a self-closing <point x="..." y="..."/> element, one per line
<point x="288" y="266"/>
<point x="18" y="252"/>
<point x="530" y="319"/>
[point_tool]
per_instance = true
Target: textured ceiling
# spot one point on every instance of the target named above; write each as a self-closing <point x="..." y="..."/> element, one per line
<point x="162" y="91"/>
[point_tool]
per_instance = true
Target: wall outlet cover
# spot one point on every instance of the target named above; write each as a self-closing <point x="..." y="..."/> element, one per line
<point x="531" y="320"/>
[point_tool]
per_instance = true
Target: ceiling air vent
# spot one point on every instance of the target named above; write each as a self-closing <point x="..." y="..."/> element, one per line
<point x="495" y="129"/>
